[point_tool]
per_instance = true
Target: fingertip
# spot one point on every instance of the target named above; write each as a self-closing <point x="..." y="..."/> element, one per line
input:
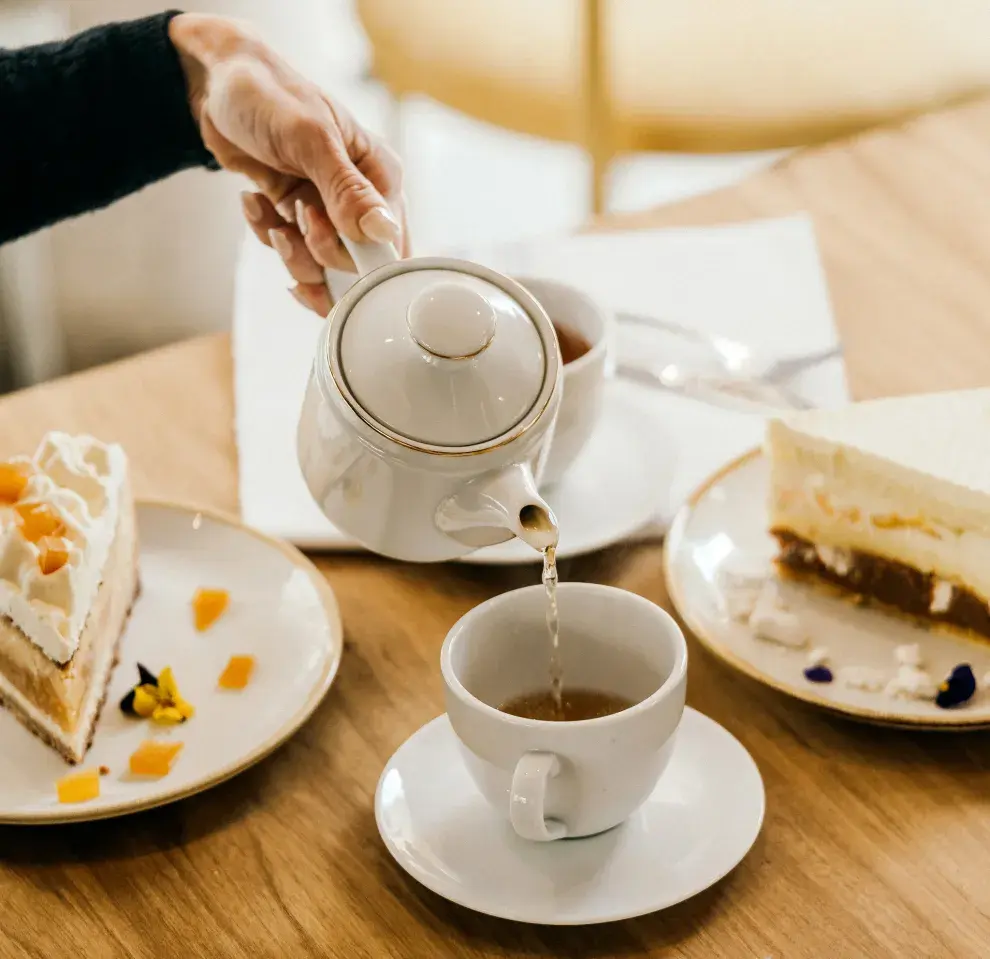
<point x="280" y="243"/>
<point x="313" y="297"/>
<point x="302" y="217"/>
<point x="254" y="212"/>
<point x="380" y="226"/>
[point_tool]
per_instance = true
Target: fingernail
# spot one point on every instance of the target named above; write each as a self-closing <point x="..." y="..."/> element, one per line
<point x="281" y="243"/>
<point x="302" y="217"/>
<point x="286" y="210"/>
<point x="380" y="226"/>
<point x="252" y="206"/>
<point x="298" y="296"/>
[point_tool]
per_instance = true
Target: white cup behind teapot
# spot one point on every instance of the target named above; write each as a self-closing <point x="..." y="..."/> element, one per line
<point x="585" y="333"/>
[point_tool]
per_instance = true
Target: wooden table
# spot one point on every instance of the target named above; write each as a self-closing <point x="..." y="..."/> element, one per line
<point x="876" y="843"/>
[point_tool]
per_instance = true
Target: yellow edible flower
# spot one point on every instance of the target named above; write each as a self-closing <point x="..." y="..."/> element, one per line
<point x="162" y="703"/>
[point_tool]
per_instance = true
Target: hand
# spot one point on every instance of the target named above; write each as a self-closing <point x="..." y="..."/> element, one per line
<point x="318" y="173"/>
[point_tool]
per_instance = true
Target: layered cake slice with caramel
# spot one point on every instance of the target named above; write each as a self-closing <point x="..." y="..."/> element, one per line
<point x="890" y="500"/>
<point x="68" y="578"/>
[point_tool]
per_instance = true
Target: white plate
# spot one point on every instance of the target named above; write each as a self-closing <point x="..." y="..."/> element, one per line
<point x="282" y="611"/>
<point x="700" y="821"/>
<point x="724" y="526"/>
<point x="618" y="487"/>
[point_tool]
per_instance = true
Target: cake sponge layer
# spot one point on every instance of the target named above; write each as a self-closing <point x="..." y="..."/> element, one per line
<point x="61" y="703"/>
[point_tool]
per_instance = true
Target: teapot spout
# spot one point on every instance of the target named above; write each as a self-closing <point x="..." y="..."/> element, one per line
<point x="498" y="507"/>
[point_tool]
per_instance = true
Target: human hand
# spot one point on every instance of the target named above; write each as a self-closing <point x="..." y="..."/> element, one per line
<point x="318" y="173"/>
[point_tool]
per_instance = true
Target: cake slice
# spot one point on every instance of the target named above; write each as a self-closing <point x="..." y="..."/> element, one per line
<point x="890" y="500"/>
<point x="68" y="579"/>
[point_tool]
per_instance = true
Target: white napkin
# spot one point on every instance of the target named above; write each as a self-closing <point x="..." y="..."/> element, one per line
<point x="759" y="282"/>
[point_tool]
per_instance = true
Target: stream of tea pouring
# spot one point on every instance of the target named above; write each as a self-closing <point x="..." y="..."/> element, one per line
<point x="538" y="524"/>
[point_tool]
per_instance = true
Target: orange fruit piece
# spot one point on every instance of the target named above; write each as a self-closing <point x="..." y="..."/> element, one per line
<point x="154" y="758"/>
<point x="208" y="606"/>
<point x="79" y="787"/>
<point x="38" y="520"/>
<point x="54" y="554"/>
<point x="12" y="483"/>
<point x="237" y="673"/>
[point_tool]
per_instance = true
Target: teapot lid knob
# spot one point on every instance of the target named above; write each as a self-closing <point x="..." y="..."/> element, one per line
<point x="451" y="320"/>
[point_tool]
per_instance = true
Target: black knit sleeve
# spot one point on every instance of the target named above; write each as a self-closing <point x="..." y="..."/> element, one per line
<point x="86" y="121"/>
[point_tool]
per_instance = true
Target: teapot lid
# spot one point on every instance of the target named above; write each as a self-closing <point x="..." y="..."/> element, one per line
<point x="443" y="353"/>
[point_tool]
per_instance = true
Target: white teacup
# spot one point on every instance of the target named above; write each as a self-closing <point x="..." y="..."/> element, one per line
<point x="557" y="779"/>
<point x="584" y="378"/>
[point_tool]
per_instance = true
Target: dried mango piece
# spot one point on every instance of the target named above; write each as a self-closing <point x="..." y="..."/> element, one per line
<point x="154" y="758"/>
<point x="208" y="606"/>
<point x="54" y="554"/>
<point x="237" y="673"/>
<point x="38" y="520"/>
<point x="12" y="483"/>
<point x="79" y="787"/>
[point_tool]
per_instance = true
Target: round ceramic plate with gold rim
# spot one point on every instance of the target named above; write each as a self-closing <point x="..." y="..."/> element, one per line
<point x="723" y="527"/>
<point x="282" y="612"/>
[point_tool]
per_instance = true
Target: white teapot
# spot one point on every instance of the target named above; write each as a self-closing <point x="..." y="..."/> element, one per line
<point x="430" y="407"/>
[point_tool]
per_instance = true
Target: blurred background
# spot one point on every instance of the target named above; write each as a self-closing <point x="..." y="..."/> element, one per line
<point x="515" y="118"/>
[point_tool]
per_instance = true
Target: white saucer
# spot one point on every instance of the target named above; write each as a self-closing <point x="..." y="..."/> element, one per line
<point x="617" y="488"/>
<point x="701" y="820"/>
<point x="282" y="612"/>
<point x="723" y="526"/>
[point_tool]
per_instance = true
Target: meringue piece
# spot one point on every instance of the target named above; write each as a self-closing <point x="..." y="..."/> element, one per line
<point x="911" y="682"/>
<point x="740" y="589"/>
<point x="909" y="655"/>
<point x="772" y="621"/>
<point x="863" y="677"/>
<point x="817" y="657"/>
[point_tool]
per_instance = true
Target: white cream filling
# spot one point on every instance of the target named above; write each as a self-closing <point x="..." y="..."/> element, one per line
<point x="836" y="518"/>
<point x="835" y="558"/>
<point x="941" y="596"/>
<point x="81" y="479"/>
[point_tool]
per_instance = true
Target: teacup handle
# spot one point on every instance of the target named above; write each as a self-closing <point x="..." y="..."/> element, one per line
<point x="369" y="256"/>
<point x="528" y="798"/>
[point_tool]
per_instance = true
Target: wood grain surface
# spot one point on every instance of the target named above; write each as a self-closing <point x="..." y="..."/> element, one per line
<point x="876" y="842"/>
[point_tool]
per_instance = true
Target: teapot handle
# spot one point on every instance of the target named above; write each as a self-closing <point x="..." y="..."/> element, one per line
<point x="369" y="256"/>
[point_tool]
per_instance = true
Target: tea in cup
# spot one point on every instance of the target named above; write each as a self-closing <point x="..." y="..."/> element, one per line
<point x="585" y="765"/>
<point x="583" y="333"/>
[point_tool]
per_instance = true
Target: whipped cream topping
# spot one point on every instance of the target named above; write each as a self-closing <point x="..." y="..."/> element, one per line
<point x="81" y="480"/>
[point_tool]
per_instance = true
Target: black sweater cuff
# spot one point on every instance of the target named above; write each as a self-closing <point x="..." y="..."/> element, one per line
<point x="90" y="119"/>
